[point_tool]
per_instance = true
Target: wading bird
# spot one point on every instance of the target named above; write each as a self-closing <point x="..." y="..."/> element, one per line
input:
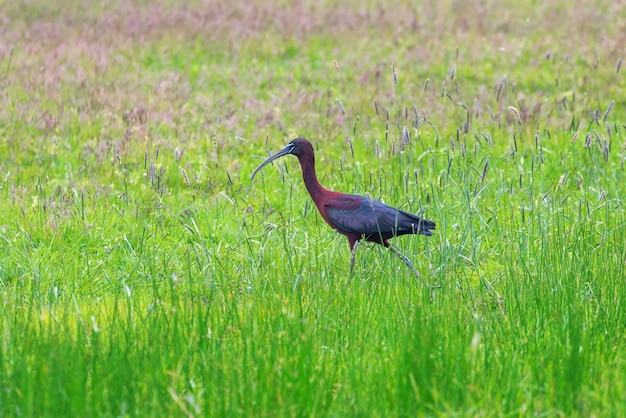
<point x="356" y="217"/>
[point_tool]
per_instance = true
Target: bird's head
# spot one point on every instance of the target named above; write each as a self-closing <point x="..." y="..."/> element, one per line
<point x="297" y="147"/>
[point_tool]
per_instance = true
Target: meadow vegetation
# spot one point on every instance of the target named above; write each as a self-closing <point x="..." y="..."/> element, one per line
<point x="142" y="273"/>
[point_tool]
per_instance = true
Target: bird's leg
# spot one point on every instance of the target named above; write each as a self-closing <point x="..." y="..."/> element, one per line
<point x="406" y="261"/>
<point x="352" y="257"/>
<point x="412" y="267"/>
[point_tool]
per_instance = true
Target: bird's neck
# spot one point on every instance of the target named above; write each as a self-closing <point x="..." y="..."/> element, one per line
<point x="316" y="190"/>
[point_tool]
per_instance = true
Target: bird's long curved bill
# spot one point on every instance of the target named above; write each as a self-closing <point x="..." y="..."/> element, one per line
<point x="284" y="151"/>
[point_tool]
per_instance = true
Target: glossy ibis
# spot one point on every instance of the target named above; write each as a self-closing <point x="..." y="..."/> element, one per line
<point x="356" y="217"/>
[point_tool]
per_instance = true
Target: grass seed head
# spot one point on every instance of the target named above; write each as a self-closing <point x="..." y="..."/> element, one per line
<point x="482" y="178"/>
<point x="517" y="114"/>
<point x="608" y="110"/>
<point x="405" y="135"/>
<point x="341" y="108"/>
<point x="185" y="177"/>
<point x="487" y="137"/>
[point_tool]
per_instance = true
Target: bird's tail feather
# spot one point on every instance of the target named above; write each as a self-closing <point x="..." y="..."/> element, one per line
<point x="420" y="225"/>
<point x="425" y="227"/>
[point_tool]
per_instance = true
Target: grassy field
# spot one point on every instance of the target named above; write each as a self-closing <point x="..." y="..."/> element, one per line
<point x="142" y="273"/>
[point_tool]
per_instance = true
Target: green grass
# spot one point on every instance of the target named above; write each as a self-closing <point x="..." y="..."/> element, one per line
<point x="142" y="273"/>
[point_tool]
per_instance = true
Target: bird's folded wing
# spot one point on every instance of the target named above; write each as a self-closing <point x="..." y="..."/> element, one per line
<point x="361" y="215"/>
